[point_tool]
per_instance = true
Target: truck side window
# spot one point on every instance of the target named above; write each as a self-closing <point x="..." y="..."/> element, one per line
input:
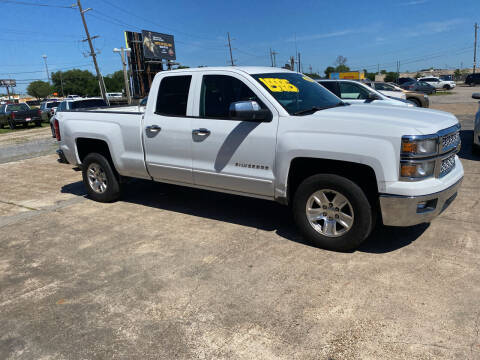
<point x="173" y="95"/>
<point x="219" y="91"/>
<point x="331" y="86"/>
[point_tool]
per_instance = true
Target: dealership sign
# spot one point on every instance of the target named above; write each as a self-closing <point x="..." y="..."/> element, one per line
<point x="158" y="46"/>
<point x="8" y="82"/>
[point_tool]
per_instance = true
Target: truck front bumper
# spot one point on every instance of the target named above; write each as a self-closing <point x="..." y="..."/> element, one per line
<point x="399" y="210"/>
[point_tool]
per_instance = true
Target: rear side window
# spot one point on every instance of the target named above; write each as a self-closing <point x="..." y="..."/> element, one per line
<point x="52" y="105"/>
<point x="173" y="95"/>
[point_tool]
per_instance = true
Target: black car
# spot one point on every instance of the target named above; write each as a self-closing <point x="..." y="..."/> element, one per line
<point x="418" y="86"/>
<point x="472" y="79"/>
<point x="403" y="80"/>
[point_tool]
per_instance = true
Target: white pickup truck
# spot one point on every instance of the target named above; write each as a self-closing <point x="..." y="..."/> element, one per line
<point x="278" y="135"/>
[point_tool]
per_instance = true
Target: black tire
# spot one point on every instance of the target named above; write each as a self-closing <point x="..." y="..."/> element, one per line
<point x="11" y="124"/>
<point x="53" y="131"/>
<point x="112" y="191"/>
<point x="363" y="219"/>
<point x="38" y="123"/>
<point x="415" y="102"/>
<point x="447" y="87"/>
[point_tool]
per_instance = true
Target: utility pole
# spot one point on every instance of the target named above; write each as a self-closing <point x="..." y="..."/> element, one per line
<point x="46" y="67"/>
<point x="92" y="51"/>
<point x="299" y="67"/>
<point x="125" y="76"/>
<point x="61" y="83"/>
<point x="274" y="54"/>
<point x="271" y="56"/>
<point x="475" y="49"/>
<point x="230" y="47"/>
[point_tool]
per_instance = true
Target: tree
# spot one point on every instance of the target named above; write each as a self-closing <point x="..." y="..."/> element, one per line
<point x="342" y="68"/>
<point x="115" y="82"/>
<point x="39" y="89"/>
<point x="313" y="75"/>
<point x="329" y="70"/>
<point x="390" y="76"/>
<point x="76" y="82"/>
<point x="340" y="60"/>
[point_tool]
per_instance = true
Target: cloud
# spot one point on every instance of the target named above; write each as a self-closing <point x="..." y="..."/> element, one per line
<point x="433" y="27"/>
<point x="322" y="35"/>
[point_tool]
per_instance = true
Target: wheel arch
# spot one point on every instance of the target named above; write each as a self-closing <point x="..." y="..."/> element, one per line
<point x="85" y="146"/>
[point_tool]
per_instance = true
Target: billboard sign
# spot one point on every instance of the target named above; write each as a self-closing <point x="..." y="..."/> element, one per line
<point x="157" y="46"/>
<point x="8" y="82"/>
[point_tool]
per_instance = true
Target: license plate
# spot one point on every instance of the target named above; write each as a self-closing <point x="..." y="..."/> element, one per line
<point x="28" y="119"/>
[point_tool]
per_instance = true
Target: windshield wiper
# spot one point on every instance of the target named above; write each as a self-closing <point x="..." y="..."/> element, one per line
<point x="317" y="108"/>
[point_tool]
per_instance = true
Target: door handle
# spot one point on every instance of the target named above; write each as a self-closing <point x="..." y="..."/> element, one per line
<point x="153" y="128"/>
<point x="201" y="132"/>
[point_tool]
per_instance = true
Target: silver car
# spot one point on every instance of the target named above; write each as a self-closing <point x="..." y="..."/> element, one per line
<point x="476" y="127"/>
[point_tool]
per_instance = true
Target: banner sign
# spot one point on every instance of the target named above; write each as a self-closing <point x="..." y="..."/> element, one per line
<point x="157" y="46"/>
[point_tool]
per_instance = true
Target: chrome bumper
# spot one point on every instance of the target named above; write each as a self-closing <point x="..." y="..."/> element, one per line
<point x="398" y="210"/>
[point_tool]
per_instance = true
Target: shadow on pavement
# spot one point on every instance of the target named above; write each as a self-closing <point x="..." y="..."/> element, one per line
<point x="467" y="142"/>
<point x="260" y="214"/>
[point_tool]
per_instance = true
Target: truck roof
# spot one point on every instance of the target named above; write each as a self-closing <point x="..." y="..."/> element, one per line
<point x="245" y="69"/>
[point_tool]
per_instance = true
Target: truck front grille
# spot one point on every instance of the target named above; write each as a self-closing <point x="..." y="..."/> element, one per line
<point x="447" y="165"/>
<point x="450" y="141"/>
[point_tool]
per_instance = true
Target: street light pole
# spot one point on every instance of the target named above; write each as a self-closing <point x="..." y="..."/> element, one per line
<point x="125" y="75"/>
<point x="46" y="67"/>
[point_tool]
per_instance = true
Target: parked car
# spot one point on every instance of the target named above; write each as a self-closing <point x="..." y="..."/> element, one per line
<point x="416" y="98"/>
<point x="476" y="126"/>
<point x="47" y="109"/>
<point x="75" y="104"/>
<point x="438" y="83"/>
<point x="277" y="135"/>
<point x="72" y="97"/>
<point x="388" y="90"/>
<point x="19" y="114"/>
<point x="354" y="92"/>
<point x="472" y="79"/>
<point x="446" y="77"/>
<point x="115" y="95"/>
<point x="419" y="86"/>
<point x="403" y="80"/>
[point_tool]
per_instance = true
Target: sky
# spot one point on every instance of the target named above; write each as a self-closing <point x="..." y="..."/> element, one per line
<point x="418" y="33"/>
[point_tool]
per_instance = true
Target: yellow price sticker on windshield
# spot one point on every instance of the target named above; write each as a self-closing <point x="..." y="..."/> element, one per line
<point x="307" y="78"/>
<point x="279" y="85"/>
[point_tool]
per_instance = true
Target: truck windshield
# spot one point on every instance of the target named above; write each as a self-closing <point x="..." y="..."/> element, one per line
<point x="297" y="93"/>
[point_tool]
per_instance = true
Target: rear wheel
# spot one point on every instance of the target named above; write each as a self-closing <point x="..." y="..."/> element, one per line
<point x="38" y="123"/>
<point x="11" y="124"/>
<point x="332" y="212"/>
<point x="100" y="179"/>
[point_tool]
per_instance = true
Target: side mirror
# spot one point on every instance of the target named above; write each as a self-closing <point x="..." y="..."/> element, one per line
<point x="476" y="96"/>
<point x="372" y="96"/>
<point x="248" y="111"/>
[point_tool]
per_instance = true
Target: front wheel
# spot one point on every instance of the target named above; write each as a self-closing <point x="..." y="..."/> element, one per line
<point x="100" y="179"/>
<point x="447" y="87"/>
<point x="415" y="102"/>
<point x="332" y="212"/>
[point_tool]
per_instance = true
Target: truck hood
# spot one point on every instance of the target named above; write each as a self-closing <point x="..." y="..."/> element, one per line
<point x="423" y="121"/>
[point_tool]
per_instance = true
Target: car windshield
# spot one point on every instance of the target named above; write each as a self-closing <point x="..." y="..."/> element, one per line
<point x="81" y="104"/>
<point x="297" y="93"/>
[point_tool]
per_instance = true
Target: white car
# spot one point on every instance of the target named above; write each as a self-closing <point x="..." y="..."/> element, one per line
<point x="355" y="92"/>
<point x="438" y="83"/>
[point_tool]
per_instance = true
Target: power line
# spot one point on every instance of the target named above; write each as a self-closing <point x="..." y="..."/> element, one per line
<point x="35" y="4"/>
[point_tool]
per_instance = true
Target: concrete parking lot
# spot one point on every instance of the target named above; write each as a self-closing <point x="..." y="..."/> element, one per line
<point x="177" y="273"/>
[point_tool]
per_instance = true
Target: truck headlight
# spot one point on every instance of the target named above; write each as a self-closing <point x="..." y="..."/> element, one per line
<point x="417" y="170"/>
<point x="419" y="146"/>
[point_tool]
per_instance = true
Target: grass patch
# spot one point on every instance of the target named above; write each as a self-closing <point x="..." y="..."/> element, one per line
<point x="441" y="93"/>
<point x="5" y="130"/>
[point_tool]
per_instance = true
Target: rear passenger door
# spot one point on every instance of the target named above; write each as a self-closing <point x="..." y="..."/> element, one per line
<point x="167" y="131"/>
<point x="230" y="154"/>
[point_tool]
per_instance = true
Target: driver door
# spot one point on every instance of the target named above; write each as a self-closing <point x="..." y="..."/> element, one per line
<point x="232" y="155"/>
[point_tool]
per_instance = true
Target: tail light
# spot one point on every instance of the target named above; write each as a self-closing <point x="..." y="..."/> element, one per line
<point x="56" y="127"/>
<point x="39" y="112"/>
